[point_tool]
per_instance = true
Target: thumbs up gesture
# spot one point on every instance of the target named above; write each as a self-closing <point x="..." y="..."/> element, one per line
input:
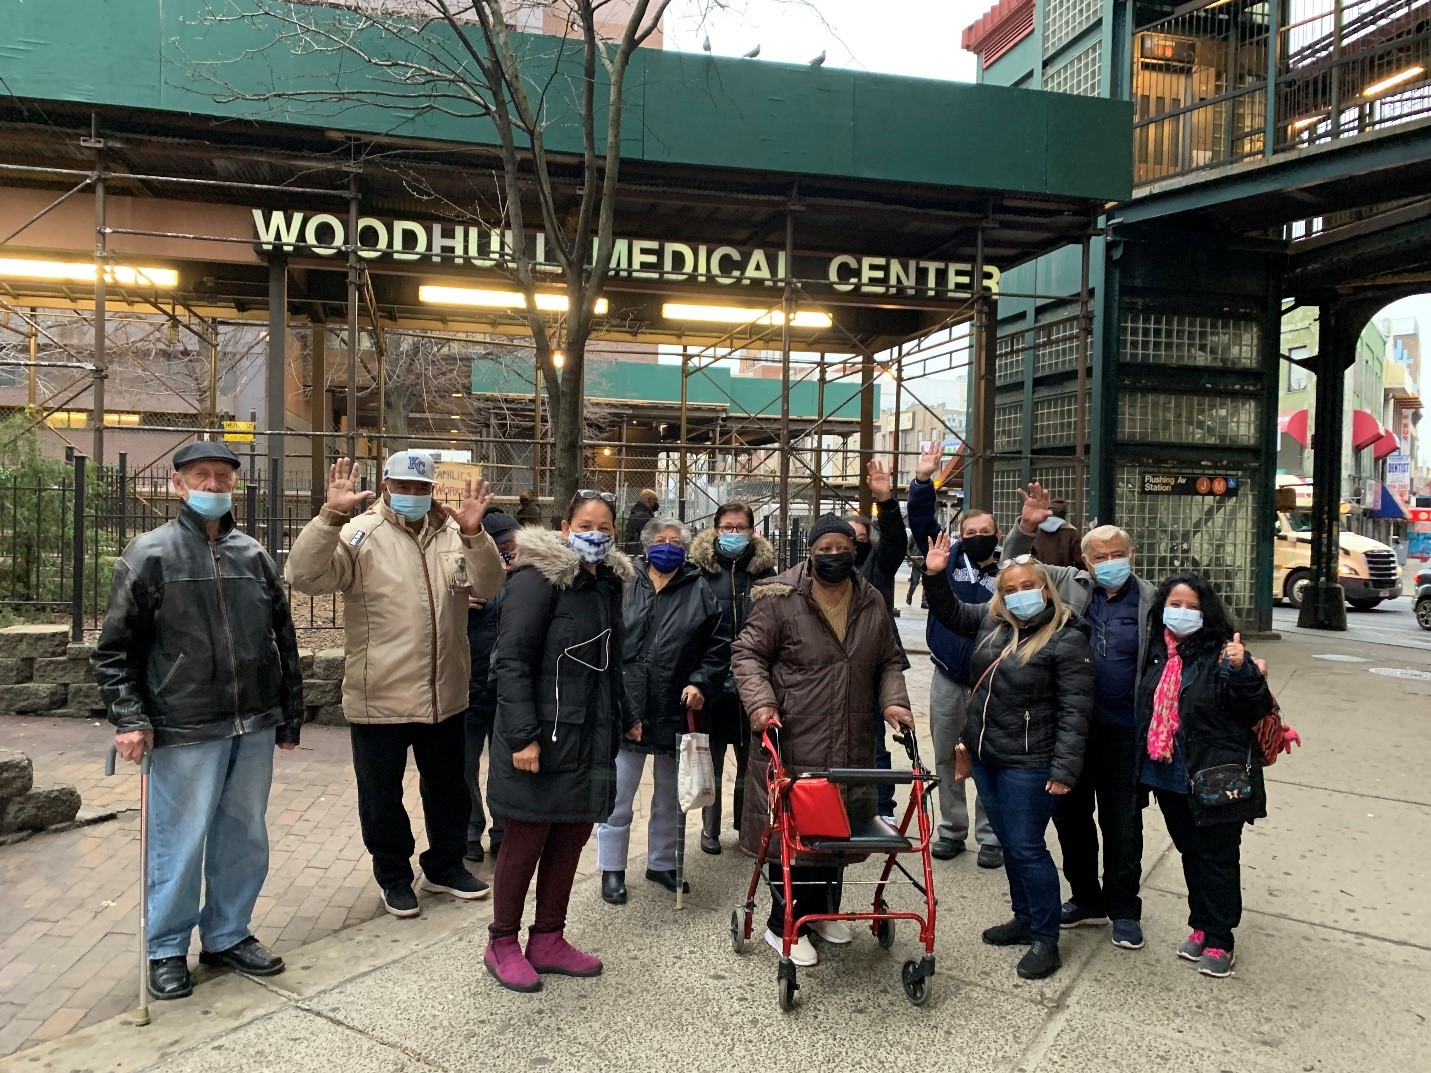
<point x="1234" y="653"/>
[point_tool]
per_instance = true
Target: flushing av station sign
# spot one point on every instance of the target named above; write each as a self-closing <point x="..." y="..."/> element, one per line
<point x="411" y="241"/>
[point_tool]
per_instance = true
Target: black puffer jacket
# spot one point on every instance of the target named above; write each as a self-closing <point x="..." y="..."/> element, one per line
<point x="198" y="642"/>
<point x="1023" y="715"/>
<point x="558" y="671"/>
<point x="674" y="638"/>
<point x="731" y="579"/>
<point x="886" y="556"/>
<point x="1217" y="709"/>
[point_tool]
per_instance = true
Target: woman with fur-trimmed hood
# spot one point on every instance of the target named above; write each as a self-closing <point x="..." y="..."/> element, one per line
<point x="734" y="557"/>
<point x="561" y="714"/>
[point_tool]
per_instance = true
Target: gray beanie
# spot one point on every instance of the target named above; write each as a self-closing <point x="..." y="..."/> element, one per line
<point x="829" y="523"/>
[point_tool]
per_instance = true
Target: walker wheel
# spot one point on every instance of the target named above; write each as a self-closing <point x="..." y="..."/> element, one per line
<point x="737" y="932"/>
<point x="787" y="994"/>
<point x="916" y="987"/>
<point x="885" y="934"/>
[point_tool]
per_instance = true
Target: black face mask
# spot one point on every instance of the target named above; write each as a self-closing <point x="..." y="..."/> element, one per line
<point x="862" y="551"/>
<point x="979" y="548"/>
<point x="834" y="568"/>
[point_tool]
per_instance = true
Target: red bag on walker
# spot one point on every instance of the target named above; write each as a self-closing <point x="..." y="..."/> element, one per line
<point x="818" y="808"/>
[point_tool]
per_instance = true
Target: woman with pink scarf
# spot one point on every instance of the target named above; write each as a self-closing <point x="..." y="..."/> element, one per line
<point x="1200" y="695"/>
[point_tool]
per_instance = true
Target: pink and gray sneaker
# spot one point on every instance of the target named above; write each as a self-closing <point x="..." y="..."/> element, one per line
<point x="1191" y="948"/>
<point x="508" y="966"/>
<point x="548" y="951"/>
<point x="1216" y="962"/>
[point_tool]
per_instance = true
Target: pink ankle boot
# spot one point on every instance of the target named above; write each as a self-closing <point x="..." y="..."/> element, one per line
<point x="507" y="965"/>
<point x="548" y="951"/>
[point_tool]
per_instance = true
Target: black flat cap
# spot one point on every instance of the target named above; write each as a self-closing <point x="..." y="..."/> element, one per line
<point x="499" y="525"/>
<point x="204" y="451"/>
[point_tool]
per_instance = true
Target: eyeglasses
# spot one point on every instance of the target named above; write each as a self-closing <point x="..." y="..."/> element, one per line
<point x="596" y="493"/>
<point x="1017" y="560"/>
<point x="735" y="529"/>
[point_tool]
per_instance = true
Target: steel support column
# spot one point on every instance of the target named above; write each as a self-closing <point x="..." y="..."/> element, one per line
<point x="787" y="306"/>
<point x="275" y="410"/>
<point x="867" y="419"/>
<point x="101" y="267"/>
<point x="1324" y="601"/>
<point x="319" y="416"/>
<point x="354" y="271"/>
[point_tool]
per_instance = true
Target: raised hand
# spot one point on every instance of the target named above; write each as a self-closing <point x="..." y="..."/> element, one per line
<point x="1038" y="507"/>
<point x="931" y="459"/>
<point x="1234" y="653"/>
<point x="468" y="514"/>
<point x="343" y="495"/>
<point x="936" y="556"/>
<point x="880" y="483"/>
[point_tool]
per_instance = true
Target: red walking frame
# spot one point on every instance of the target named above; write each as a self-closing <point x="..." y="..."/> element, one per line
<point x="807" y="817"/>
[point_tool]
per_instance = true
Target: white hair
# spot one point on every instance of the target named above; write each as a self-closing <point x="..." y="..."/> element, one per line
<point x="657" y="525"/>
<point x="1102" y="533"/>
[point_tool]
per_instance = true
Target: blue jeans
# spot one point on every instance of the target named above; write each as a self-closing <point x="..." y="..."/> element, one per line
<point x="206" y="823"/>
<point x="1019" y="810"/>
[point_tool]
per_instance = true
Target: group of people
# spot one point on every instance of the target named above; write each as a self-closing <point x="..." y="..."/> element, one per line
<point x="569" y="662"/>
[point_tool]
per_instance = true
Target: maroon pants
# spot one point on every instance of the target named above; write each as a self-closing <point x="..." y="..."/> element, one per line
<point x="556" y="847"/>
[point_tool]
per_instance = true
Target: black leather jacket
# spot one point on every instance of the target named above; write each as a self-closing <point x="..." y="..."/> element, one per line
<point x="198" y="642"/>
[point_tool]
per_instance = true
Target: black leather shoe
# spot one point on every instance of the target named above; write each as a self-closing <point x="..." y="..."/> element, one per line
<point x="991" y="857"/>
<point x="613" y="887"/>
<point x="246" y="956"/>
<point x="946" y="849"/>
<point x="667" y="879"/>
<point x="1014" y="933"/>
<point x="1042" y="960"/>
<point x="169" y="978"/>
<point x="710" y="844"/>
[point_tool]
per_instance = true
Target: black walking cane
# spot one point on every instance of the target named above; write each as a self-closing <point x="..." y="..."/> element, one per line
<point x="141" y="1012"/>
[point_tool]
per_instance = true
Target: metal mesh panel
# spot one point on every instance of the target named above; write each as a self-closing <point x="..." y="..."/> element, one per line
<point x="1009" y="426"/>
<point x="1056" y="347"/>
<point x="1006" y="505"/>
<point x="1215" y="537"/>
<point x="1225" y="421"/>
<point x="1080" y="75"/>
<point x="1066" y="19"/>
<point x="1009" y="359"/>
<point x="1178" y="339"/>
<point x="1054" y="420"/>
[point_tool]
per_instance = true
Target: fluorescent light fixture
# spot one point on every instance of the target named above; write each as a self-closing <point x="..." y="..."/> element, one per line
<point x="1309" y="121"/>
<point x="83" y="272"/>
<point x="488" y="299"/>
<point x="1392" y="81"/>
<point x="803" y="318"/>
<point x="558" y="358"/>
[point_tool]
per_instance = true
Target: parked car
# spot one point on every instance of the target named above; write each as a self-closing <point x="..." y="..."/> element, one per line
<point x="1423" y="598"/>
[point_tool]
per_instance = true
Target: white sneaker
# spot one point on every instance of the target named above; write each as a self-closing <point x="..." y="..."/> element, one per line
<point x="802" y="952"/>
<point x="836" y="932"/>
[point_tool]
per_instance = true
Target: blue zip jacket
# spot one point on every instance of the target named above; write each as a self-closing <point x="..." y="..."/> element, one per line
<point x="949" y="651"/>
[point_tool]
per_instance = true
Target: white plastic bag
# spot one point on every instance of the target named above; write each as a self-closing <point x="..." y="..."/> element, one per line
<point x="695" y="778"/>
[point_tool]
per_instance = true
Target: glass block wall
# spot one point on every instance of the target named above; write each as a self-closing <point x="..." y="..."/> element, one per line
<point x="1063" y="20"/>
<point x="1081" y="74"/>
<point x="1007" y="505"/>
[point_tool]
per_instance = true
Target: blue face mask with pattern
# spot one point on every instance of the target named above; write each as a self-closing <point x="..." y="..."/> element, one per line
<point x="591" y="547"/>
<point x="1025" y="604"/>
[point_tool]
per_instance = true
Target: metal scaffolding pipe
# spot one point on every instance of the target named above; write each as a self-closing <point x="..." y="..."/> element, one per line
<point x="353" y="269"/>
<point x="787" y="305"/>
<point x="101" y="257"/>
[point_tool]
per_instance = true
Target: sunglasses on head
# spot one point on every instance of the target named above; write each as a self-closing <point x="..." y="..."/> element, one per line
<point x="1017" y="560"/>
<point x="595" y="493"/>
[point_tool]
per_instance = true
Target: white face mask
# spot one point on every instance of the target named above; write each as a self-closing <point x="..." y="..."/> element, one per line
<point x="590" y="546"/>
<point x="1052" y="524"/>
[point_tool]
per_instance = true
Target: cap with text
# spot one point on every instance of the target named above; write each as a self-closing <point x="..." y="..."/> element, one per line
<point x="410" y="466"/>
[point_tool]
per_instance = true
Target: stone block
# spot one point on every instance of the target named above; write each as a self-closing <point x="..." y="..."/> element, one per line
<point x="16" y="774"/>
<point x="34" y="642"/>
<point x="79" y="650"/>
<point x="305" y="662"/>
<point x="63" y="671"/>
<point x="84" y="697"/>
<point x="329" y="715"/>
<point x="15" y="671"/>
<point x="328" y="664"/>
<point x="32" y="697"/>
<point x="318" y="693"/>
<point x="43" y="807"/>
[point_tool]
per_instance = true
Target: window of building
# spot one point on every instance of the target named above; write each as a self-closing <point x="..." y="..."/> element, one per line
<point x="1082" y="74"/>
<point x="1177" y="339"/>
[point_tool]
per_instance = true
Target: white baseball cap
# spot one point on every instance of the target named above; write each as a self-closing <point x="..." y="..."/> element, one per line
<point x="410" y="466"/>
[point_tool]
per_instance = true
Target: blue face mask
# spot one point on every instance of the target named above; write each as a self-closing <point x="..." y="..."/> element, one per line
<point x="1026" y="604"/>
<point x="1051" y="524"/>
<point x="591" y="547"/>
<point x="1111" y="573"/>
<point x="410" y="507"/>
<point x="732" y="543"/>
<point x="211" y="505"/>
<point x="1182" y="621"/>
<point x="667" y="558"/>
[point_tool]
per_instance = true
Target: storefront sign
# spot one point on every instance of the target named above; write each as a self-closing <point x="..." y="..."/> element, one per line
<point x="490" y="249"/>
<point x="1398" y="474"/>
<point x="1189" y="484"/>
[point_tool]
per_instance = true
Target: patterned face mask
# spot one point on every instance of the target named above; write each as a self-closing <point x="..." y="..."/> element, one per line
<point x="591" y="547"/>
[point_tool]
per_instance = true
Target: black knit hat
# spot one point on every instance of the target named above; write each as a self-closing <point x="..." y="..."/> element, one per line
<point x="829" y="523"/>
<point x="499" y="525"/>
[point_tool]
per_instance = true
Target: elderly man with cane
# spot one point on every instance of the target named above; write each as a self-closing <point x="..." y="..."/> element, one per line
<point x="198" y="665"/>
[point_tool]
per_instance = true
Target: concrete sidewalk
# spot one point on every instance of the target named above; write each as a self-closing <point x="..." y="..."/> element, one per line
<point x="1334" y="969"/>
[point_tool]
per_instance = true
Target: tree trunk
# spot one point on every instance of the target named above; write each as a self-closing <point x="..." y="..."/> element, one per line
<point x="568" y="428"/>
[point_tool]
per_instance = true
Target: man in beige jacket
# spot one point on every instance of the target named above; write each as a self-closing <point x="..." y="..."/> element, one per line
<point x="405" y="568"/>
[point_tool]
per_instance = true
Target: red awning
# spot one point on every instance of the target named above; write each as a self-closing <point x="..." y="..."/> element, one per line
<point x="1294" y="424"/>
<point x="1366" y="429"/>
<point x="1388" y="444"/>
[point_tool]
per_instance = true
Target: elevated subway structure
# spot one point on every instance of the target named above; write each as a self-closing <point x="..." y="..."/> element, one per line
<point x="853" y="198"/>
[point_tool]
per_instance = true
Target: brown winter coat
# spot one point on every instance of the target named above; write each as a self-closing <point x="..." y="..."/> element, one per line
<point x="1061" y="548"/>
<point x="828" y="694"/>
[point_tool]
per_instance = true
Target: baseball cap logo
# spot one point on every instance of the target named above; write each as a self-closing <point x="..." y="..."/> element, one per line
<point x="417" y="464"/>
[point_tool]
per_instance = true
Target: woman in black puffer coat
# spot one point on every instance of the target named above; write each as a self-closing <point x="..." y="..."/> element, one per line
<point x="1026" y="731"/>
<point x="1199" y="697"/>
<point x="677" y="656"/>
<point x="734" y="557"/>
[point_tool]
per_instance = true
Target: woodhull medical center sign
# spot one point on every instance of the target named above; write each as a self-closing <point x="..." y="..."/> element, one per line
<point x="663" y="261"/>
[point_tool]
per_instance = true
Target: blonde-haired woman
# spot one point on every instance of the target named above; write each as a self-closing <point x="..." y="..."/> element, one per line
<point x="1027" y="727"/>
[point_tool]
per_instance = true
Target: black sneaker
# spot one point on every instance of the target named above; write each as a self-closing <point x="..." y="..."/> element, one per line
<point x="1014" y="933"/>
<point x="401" y="901"/>
<point x="1041" y="961"/>
<point x="460" y="884"/>
<point x="991" y="857"/>
<point x="946" y="849"/>
<point x="169" y="978"/>
<point x="474" y="851"/>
